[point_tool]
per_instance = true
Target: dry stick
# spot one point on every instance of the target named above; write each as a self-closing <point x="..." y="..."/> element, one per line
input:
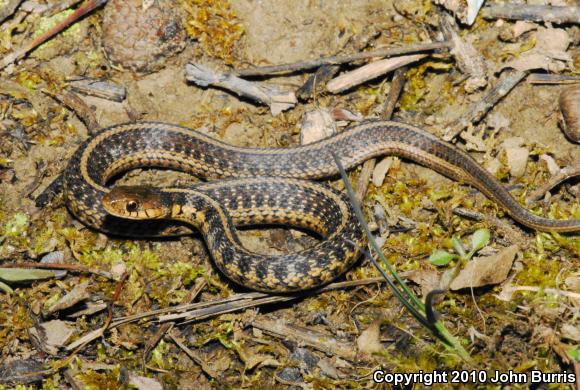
<point x="321" y="341"/>
<point x="334" y="60"/>
<point x="165" y="328"/>
<point x="545" y="78"/>
<point x="535" y="13"/>
<point x="564" y="174"/>
<point x="273" y="96"/>
<point x="85" y="113"/>
<point x="79" y="13"/>
<point x="225" y="306"/>
<point x="480" y="108"/>
<point x="397" y="84"/>
<point x="370" y="71"/>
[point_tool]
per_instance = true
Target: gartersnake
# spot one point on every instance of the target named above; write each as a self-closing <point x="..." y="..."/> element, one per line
<point x="152" y="144"/>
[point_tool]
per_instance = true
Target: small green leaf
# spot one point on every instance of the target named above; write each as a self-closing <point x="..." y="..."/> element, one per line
<point x="24" y="274"/>
<point x="441" y="257"/>
<point x="479" y="239"/>
<point x="574" y="353"/>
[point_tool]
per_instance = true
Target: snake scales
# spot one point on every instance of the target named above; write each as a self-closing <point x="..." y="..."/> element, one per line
<point x="263" y="193"/>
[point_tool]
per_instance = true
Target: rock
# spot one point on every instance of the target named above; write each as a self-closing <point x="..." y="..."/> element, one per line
<point x="316" y="125"/>
<point x="517" y="156"/>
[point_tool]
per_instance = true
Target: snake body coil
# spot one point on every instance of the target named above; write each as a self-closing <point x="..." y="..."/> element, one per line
<point x="151" y="144"/>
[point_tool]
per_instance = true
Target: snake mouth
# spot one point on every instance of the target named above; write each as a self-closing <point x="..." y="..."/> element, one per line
<point x="136" y="202"/>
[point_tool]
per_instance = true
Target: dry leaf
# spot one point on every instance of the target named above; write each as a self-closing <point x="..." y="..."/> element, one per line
<point x="52" y="335"/>
<point x="144" y="383"/>
<point x="548" y="54"/>
<point x="369" y="340"/>
<point x="570" y="332"/>
<point x="78" y="294"/>
<point x="428" y="279"/>
<point x="484" y="271"/>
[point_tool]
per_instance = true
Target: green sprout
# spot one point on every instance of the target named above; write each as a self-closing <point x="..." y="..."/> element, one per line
<point x="423" y="313"/>
<point x="479" y="239"/>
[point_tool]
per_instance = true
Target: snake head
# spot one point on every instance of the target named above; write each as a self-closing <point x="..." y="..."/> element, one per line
<point x="136" y="202"/>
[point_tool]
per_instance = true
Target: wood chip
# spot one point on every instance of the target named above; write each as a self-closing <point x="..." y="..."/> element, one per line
<point x="381" y="170"/>
<point x="103" y="89"/>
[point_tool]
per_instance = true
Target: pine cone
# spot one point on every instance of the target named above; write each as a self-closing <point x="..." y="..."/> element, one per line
<point x="142" y="39"/>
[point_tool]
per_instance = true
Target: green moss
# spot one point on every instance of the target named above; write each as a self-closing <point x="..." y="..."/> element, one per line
<point x="416" y="87"/>
<point x="215" y="25"/>
<point x="102" y="380"/>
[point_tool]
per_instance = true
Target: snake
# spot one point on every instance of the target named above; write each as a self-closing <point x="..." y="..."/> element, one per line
<point x="256" y="186"/>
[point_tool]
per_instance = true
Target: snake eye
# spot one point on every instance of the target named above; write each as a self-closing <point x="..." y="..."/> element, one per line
<point x="132" y="206"/>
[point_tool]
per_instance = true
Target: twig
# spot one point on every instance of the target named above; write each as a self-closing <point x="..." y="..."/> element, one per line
<point x="370" y="71"/>
<point x="79" y="107"/>
<point x="75" y="16"/>
<point x="264" y="299"/>
<point x="563" y="175"/>
<point x="476" y="112"/>
<point x="397" y="84"/>
<point x="335" y="60"/>
<point x="535" y="13"/>
<point x="272" y="96"/>
<point x="548" y="78"/>
<point x="251" y="300"/>
<point x="321" y="341"/>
